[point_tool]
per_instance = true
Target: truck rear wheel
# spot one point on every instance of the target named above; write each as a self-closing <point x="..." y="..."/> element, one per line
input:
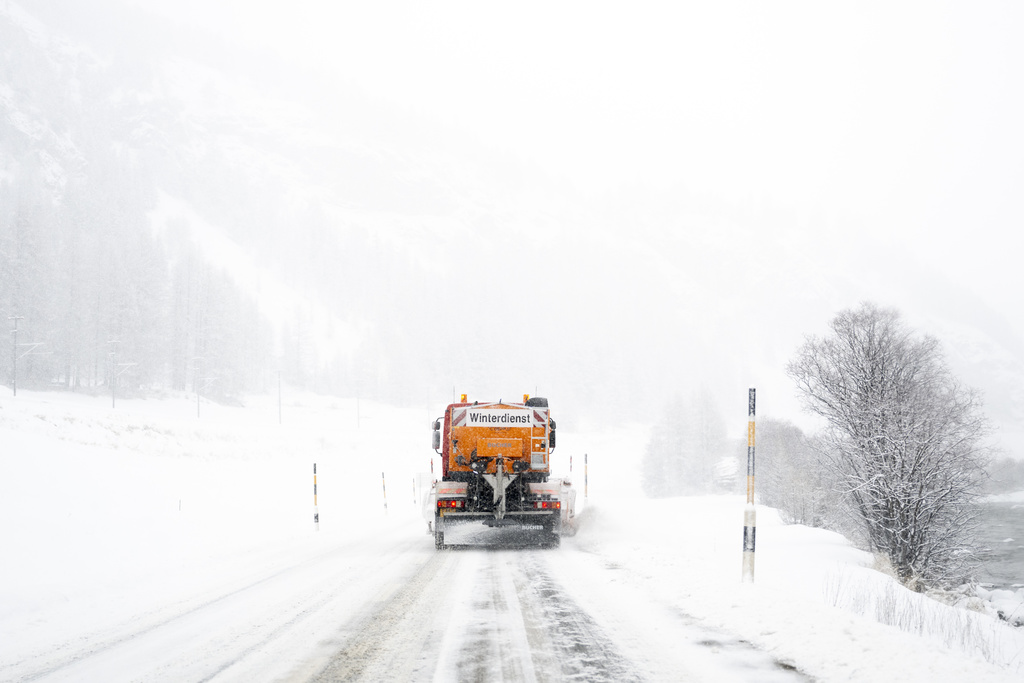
<point x="438" y="533"/>
<point x="553" y="532"/>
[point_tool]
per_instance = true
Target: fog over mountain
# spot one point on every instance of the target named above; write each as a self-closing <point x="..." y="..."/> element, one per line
<point x="396" y="220"/>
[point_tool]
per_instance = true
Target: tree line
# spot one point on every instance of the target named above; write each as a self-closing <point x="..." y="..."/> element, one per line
<point x="98" y="298"/>
<point x="688" y="453"/>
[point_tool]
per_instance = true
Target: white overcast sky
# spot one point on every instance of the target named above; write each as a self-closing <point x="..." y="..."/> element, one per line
<point x="901" y="119"/>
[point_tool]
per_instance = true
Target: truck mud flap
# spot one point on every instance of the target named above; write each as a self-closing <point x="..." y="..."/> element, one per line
<point x="512" y="521"/>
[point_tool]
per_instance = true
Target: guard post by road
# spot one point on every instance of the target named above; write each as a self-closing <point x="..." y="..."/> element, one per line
<point x="749" y="514"/>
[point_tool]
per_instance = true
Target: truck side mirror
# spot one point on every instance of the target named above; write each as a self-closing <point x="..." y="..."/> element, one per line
<point x="436" y="443"/>
<point x="551" y="438"/>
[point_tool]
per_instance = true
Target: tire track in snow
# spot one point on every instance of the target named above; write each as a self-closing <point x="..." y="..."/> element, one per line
<point x="397" y="637"/>
<point x="571" y="643"/>
<point x="471" y="615"/>
<point x="513" y="623"/>
<point x="91" y="649"/>
<point x="212" y="637"/>
<point x="486" y="639"/>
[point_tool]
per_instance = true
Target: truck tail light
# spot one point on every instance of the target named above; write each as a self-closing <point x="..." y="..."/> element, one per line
<point x="451" y="504"/>
<point x="547" y="505"/>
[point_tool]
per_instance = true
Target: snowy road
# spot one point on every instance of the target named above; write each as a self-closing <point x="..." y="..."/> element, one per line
<point x="500" y="614"/>
<point x="388" y="606"/>
<point x="491" y="615"/>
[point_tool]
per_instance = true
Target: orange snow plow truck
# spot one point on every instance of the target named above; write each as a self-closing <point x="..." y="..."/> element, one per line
<point x="495" y="469"/>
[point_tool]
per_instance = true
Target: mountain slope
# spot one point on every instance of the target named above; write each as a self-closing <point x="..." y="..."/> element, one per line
<point x="365" y="248"/>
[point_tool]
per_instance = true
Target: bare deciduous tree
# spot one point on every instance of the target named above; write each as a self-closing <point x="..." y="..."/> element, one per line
<point x="903" y="441"/>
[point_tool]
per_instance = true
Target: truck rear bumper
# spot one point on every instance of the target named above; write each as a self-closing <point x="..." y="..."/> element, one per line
<point x="487" y="513"/>
<point x="529" y="518"/>
<point x="540" y="527"/>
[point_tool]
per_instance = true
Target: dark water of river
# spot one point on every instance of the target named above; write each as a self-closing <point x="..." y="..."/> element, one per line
<point x="1002" y="533"/>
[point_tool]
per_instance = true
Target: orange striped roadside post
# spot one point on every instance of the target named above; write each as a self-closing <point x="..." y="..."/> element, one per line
<point x="749" y="514"/>
<point x="316" y="510"/>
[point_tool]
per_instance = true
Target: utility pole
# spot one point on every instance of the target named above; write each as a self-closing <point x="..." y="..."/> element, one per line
<point x="207" y="381"/>
<point x="116" y="370"/>
<point x="113" y="371"/>
<point x="14" y="353"/>
<point x="195" y="381"/>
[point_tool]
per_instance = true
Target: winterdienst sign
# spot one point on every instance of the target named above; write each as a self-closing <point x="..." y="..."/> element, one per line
<point x="499" y="418"/>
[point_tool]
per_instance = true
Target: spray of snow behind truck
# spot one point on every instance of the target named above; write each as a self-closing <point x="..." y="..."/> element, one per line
<point x="496" y="467"/>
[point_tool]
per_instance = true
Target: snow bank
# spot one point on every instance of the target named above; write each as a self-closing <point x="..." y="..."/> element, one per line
<point x="1005" y="604"/>
<point x="816" y="602"/>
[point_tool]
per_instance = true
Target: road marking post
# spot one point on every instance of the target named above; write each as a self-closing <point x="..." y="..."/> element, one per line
<point x="750" y="513"/>
<point x="316" y="510"/>
<point x="586" y="470"/>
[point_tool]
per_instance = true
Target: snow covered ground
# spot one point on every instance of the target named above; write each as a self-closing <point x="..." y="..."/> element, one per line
<point x="144" y="543"/>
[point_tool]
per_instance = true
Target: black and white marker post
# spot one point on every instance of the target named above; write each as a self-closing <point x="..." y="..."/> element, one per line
<point x="316" y="510"/>
<point x="384" y="487"/>
<point x="586" y="472"/>
<point x="749" y="515"/>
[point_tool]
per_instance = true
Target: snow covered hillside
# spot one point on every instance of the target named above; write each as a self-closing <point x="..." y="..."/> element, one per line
<point x="146" y="543"/>
<point x="340" y="222"/>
